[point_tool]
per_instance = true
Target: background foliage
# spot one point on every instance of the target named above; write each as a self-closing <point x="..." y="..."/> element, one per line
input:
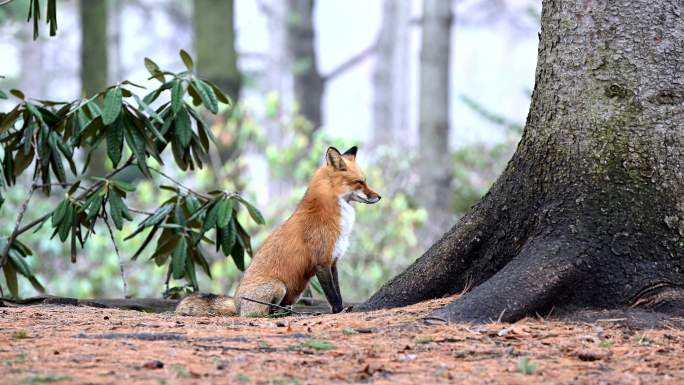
<point x="266" y="148"/>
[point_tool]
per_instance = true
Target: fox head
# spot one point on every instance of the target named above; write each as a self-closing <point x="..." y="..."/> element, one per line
<point x="346" y="177"/>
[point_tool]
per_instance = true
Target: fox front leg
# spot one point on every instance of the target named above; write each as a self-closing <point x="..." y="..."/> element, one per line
<point x="336" y="283"/>
<point x="325" y="278"/>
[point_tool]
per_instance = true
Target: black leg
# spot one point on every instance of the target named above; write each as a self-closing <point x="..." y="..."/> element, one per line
<point x="325" y="278"/>
<point x="336" y="282"/>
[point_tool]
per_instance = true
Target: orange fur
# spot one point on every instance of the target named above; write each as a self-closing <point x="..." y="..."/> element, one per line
<point x="283" y="265"/>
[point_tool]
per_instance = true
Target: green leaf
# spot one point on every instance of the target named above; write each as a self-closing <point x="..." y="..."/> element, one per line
<point x="243" y="237"/>
<point x="192" y="275"/>
<point x="225" y="212"/>
<point x="227" y="238"/>
<point x="202" y="261"/>
<point x="22" y="161"/>
<point x="206" y="94"/>
<point x="9" y="119"/>
<point x="183" y="128"/>
<point x="145" y="107"/>
<point x="35" y="112"/>
<point x="11" y="279"/>
<point x="112" y="106"/>
<point x="74" y="187"/>
<point x="57" y="166"/>
<point x="180" y="254"/>
<point x="59" y="212"/>
<point x="179" y="215"/>
<point x="238" y="253"/>
<point x="219" y="94"/>
<point x="177" y="96"/>
<point x="147" y="240"/>
<point x="117" y="209"/>
<point x="187" y="60"/>
<point x="191" y="203"/>
<point x="52" y="16"/>
<point x="153" y="220"/>
<point x="211" y="218"/>
<point x="95" y="207"/>
<point x="165" y="245"/>
<point x="136" y="143"/>
<point x="124" y="186"/>
<point x="115" y="139"/>
<point x="202" y="126"/>
<point x="17" y="94"/>
<point x="23" y="269"/>
<point x="154" y="70"/>
<point x="253" y="212"/>
<point x="21" y="248"/>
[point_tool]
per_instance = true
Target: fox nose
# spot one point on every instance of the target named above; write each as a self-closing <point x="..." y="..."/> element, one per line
<point x="379" y="197"/>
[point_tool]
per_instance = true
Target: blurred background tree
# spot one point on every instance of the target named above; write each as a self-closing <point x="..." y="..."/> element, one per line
<point x="304" y="74"/>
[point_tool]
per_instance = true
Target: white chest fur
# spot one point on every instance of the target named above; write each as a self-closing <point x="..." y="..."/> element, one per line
<point x="347" y="218"/>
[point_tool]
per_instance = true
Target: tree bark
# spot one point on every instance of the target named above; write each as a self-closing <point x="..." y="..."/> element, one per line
<point x="94" y="63"/>
<point x="214" y="28"/>
<point x="390" y="77"/>
<point x="217" y="60"/>
<point x="434" y="157"/>
<point x="589" y="211"/>
<point x="301" y="45"/>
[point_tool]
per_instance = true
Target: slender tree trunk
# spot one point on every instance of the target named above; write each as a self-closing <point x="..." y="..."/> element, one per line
<point x="217" y="59"/>
<point x="214" y="27"/>
<point x="279" y="83"/>
<point x="390" y="76"/>
<point x="434" y="158"/>
<point x="590" y="210"/>
<point x="94" y="62"/>
<point x="308" y="83"/>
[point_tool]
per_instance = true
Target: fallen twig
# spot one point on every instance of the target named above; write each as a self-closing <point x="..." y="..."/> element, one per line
<point x="116" y="249"/>
<point x="287" y="309"/>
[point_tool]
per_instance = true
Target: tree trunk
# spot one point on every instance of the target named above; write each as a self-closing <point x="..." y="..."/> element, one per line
<point x="217" y="60"/>
<point x="93" y="46"/>
<point x="434" y="158"/>
<point x="94" y="63"/>
<point x="214" y="27"/>
<point x="308" y="83"/>
<point x="390" y="77"/>
<point x="590" y="210"/>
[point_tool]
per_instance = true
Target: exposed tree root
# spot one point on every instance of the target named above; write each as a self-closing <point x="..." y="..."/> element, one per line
<point x="529" y="284"/>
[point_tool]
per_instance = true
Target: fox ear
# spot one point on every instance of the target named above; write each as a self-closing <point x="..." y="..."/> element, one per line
<point x="333" y="158"/>
<point x="351" y="153"/>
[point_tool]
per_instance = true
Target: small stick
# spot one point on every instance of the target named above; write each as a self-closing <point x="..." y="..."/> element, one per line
<point x="179" y="183"/>
<point x="501" y="315"/>
<point x="22" y="210"/>
<point x="116" y="249"/>
<point x="280" y="307"/>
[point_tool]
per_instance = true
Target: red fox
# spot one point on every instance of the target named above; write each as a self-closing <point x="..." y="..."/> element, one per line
<point x="309" y="243"/>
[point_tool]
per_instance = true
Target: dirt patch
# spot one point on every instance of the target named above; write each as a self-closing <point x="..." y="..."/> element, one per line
<point x="84" y="345"/>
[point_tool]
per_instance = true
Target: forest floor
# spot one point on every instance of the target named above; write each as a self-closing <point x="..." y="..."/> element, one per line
<point x="61" y="344"/>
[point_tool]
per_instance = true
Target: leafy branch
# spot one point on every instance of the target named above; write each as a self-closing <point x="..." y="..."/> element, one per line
<point x="51" y="135"/>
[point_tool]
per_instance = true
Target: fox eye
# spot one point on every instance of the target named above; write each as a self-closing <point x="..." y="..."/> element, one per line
<point x="359" y="181"/>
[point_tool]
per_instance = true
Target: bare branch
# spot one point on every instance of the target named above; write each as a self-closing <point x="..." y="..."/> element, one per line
<point x="351" y="62"/>
<point x="116" y="249"/>
<point x="180" y="184"/>
<point x="24" y="206"/>
<point x="85" y="193"/>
